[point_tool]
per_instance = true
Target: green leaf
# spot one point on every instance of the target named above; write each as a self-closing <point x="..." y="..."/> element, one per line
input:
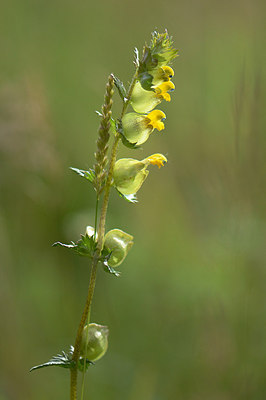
<point x="60" y="360"/>
<point x="84" y="247"/>
<point x="69" y="246"/>
<point x="121" y="88"/>
<point x="119" y="129"/>
<point x="89" y="175"/>
<point x="64" y="360"/>
<point x="146" y="80"/>
<point x="131" y="198"/>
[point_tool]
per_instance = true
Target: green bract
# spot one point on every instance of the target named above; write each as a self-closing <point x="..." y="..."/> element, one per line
<point x="94" y="341"/>
<point x="129" y="174"/>
<point x="118" y="243"/>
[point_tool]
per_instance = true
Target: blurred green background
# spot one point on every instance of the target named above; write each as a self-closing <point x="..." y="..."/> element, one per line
<point x="187" y="318"/>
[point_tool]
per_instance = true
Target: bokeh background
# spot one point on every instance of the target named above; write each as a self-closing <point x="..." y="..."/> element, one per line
<point x="187" y="317"/>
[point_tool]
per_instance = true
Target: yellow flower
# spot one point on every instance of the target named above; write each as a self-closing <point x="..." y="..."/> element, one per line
<point x="144" y="101"/>
<point x="137" y="128"/>
<point x="129" y="174"/>
<point x="163" y="89"/>
<point x="163" y="74"/>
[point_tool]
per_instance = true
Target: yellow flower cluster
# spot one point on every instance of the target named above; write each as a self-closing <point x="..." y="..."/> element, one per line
<point x="153" y="85"/>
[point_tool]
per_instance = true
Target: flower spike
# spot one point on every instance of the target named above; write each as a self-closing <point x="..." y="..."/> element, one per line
<point x="159" y="54"/>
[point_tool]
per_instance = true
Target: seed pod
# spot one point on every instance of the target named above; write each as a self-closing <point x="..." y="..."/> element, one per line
<point x="94" y="341"/>
<point x="119" y="243"/>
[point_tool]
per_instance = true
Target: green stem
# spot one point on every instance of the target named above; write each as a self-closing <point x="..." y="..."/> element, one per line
<point x="96" y="217"/>
<point x="88" y="317"/>
<point x="87" y="308"/>
<point x="101" y="232"/>
<point x="86" y="311"/>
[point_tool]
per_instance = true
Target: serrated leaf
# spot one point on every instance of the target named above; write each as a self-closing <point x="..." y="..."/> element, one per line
<point x="119" y="128"/>
<point x="84" y="247"/>
<point x="60" y="360"/>
<point x="120" y="87"/>
<point x="68" y="246"/>
<point x="89" y="175"/>
<point x="64" y="360"/>
<point x="131" y="198"/>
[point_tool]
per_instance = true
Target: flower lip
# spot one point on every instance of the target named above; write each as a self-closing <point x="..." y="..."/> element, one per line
<point x="168" y="72"/>
<point x="155" y="118"/>
<point x="156" y="159"/>
<point x="163" y="89"/>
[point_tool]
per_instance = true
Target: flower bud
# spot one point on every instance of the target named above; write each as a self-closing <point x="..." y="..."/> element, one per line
<point x="154" y="67"/>
<point x="94" y="341"/>
<point x="118" y="243"/>
<point x="137" y="128"/>
<point x="129" y="174"/>
<point x="89" y="231"/>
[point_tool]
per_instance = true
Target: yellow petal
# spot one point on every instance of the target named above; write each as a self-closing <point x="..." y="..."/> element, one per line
<point x="158" y="125"/>
<point x="162" y="74"/>
<point x="156" y="159"/>
<point x="168" y="72"/>
<point x="166" y="96"/>
<point x="154" y="118"/>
